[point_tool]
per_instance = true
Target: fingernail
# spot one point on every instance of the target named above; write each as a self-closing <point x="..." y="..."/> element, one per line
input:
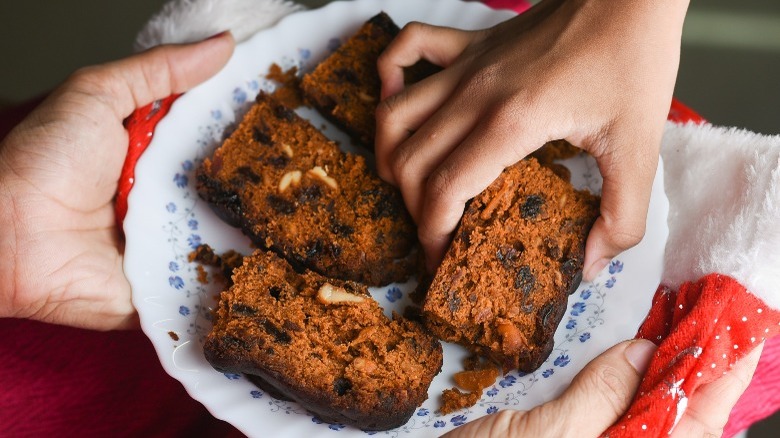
<point x="596" y="268"/>
<point x="639" y="353"/>
<point x="217" y="35"/>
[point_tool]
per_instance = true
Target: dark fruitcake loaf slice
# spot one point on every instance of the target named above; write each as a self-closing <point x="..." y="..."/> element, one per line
<point x="323" y="343"/>
<point x="292" y="190"/>
<point x="345" y="87"/>
<point x="516" y="256"/>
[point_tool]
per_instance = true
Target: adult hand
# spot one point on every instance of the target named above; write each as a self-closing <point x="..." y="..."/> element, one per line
<point x="598" y="73"/>
<point x="603" y="391"/>
<point x="59" y="168"/>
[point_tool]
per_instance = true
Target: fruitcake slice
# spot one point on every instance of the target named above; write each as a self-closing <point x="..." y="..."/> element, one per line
<point x="516" y="256"/>
<point x="323" y="343"/>
<point x="345" y="87"/>
<point x="292" y="190"/>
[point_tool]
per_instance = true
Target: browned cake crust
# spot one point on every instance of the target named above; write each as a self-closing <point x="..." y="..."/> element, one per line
<point x="502" y="288"/>
<point x="323" y="343"/>
<point x="345" y="87"/>
<point x="292" y="190"/>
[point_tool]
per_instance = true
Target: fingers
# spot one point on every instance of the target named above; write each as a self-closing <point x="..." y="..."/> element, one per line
<point x="497" y="142"/>
<point x="417" y="41"/>
<point x="709" y="407"/>
<point x="400" y="116"/>
<point x="627" y="160"/>
<point x="596" y="399"/>
<point x="602" y="391"/>
<point x="133" y="82"/>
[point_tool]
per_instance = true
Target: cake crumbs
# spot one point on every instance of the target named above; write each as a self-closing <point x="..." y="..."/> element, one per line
<point x="288" y="90"/>
<point x="453" y="400"/>
<point x="478" y="374"/>
<point x="203" y="276"/>
<point x="205" y="255"/>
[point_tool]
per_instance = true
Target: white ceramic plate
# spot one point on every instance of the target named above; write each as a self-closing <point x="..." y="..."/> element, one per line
<point x="166" y="220"/>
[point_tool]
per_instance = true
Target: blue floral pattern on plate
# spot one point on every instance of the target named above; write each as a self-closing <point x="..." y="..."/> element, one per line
<point x="187" y="303"/>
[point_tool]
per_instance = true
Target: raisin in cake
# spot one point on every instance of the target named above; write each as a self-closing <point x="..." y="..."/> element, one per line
<point x="345" y="87"/>
<point x="323" y="343"/>
<point x="516" y="256"/>
<point x="292" y="190"/>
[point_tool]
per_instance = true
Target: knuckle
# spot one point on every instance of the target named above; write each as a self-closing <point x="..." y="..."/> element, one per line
<point x="413" y="29"/>
<point x="612" y="388"/>
<point x="625" y="235"/>
<point x="480" y="80"/>
<point x="541" y="421"/>
<point x="506" y="113"/>
<point x="399" y="165"/>
<point x="386" y="110"/>
<point x="92" y="79"/>
<point x="439" y="187"/>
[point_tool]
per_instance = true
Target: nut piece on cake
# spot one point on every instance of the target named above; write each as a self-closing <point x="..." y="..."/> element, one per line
<point x="319" y="207"/>
<point x="516" y="256"/>
<point x="346" y="363"/>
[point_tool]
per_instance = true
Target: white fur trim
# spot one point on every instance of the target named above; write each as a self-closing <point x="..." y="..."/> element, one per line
<point x="185" y="21"/>
<point x="723" y="187"/>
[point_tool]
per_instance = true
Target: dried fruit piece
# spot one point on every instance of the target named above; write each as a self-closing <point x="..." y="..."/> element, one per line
<point x="341" y="386"/>
<point x="281" y="205"/>
<point x="512" y="340"/>
<point x="476" y="380"/>
<point x="367" y="366"/>
<point x="494" y="203"/>
<point x="531" y="207"/>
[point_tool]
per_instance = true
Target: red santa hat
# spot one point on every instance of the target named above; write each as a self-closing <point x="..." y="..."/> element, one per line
<point x="719" y="296"/>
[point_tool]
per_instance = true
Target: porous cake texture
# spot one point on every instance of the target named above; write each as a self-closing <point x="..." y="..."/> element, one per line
<point x="516" y="256"/>
<point x="292" y="190"/>
<point x="323" y="343"/>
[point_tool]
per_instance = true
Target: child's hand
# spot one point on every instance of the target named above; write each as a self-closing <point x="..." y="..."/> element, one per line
<point x="598" y="73"/>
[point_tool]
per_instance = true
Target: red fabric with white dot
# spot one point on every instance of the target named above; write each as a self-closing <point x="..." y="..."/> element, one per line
<point x="701" y="330"/>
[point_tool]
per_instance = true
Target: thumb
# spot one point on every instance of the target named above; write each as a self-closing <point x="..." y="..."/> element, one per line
<point x="596" y="399"/>
<point x="133" y="82"/>
<point x="601" y="392"/>
<point x="627" y="159"/>
<point x="72" y="126"/>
